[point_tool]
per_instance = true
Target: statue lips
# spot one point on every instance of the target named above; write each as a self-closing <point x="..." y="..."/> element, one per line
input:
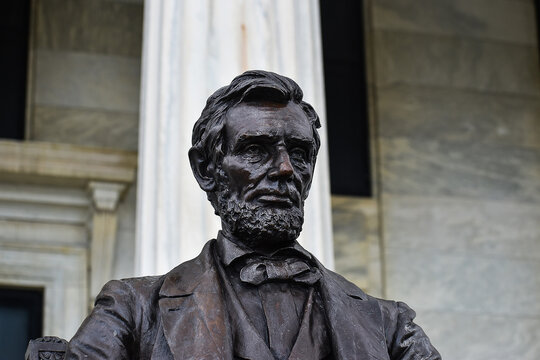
<point x="282" y="200"/>
<point x="277" y="198"/>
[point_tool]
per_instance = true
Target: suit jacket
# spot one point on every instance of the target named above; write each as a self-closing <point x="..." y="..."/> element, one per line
<point x="182" y="315"/>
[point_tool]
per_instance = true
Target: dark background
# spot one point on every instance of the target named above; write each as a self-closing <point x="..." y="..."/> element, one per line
<point x="21" y="319"/>
<point x="346" y="96"/>
<point x="14" y="35"/>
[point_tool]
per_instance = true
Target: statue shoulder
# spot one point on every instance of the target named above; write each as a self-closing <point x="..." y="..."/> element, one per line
<point x="138" y="288"/>
<point x="130" y="295"/>
<point x="405" y="339"/>
<point x="146" y="289"/>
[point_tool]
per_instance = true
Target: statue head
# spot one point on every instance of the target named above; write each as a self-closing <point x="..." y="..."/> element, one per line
<point x="254" y="152"/>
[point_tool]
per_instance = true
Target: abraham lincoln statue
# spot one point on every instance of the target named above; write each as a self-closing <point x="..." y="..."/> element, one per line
<point x="253" y="292"/>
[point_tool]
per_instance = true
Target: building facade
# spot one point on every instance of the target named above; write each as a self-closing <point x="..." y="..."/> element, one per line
<point x="100" y="185"/>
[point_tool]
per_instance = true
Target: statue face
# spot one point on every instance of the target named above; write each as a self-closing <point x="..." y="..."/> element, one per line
<point x="269" y="151"/>
<point x="268" y="167"/>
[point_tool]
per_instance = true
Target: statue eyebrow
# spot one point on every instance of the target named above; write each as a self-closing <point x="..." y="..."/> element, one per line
<point x="295" y="140"/>
<point x="307" y="143"/>
<point x="302" y="141"/>
<point x="250" y="138"/>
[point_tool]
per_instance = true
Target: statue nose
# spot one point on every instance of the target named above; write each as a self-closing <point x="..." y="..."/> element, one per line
<point x="282" y="166"/>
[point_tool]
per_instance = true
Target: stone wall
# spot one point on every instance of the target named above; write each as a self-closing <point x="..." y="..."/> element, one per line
<point x="457" y="122"/>
<point x="355" y="230"/>
<point x="86" y="70"/>
<point x="82" y="112"/>
<point x="85" y="80"/>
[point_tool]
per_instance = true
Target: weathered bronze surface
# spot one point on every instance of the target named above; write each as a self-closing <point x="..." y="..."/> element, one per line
<point x="46" y="348"/>
<point x="254" y="292"/>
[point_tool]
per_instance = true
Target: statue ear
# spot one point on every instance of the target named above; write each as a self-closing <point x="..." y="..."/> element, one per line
<point x="202" y="169"/>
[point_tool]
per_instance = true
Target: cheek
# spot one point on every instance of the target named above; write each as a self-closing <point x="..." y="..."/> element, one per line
<point x="305" y="172"/>
<point x="306" y="177"/>
<point x="241" y="173"/>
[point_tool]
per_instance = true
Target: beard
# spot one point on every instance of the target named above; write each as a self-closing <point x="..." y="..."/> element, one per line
<point x="258" y="226"/>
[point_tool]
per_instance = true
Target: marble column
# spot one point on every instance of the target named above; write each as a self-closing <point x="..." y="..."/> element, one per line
<point x="190" y="49"/>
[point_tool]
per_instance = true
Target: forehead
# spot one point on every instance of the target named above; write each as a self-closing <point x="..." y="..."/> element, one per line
<point x="273" y="120"/>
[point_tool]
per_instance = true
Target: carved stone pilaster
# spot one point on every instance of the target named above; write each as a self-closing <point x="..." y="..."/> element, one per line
<point x="105" y="197"/>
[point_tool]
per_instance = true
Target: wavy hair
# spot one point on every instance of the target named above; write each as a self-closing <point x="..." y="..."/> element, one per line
<point x="253" y="85"/>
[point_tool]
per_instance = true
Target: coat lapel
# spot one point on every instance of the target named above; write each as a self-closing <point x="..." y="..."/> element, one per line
<point x="354" y="320"/>
<point x="248" y="342"/>
<point x="309" y="343"/>
<point x="195" y="324"/>
<point x="192" y="310"/>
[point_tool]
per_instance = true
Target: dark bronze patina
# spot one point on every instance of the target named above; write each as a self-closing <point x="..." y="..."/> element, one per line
<point x="46" y="348"/>
<point x="254" y="292"/>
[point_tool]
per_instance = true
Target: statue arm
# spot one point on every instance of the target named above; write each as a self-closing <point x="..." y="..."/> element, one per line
<point x="405" y="339"/>
<point x="108" y="332"/>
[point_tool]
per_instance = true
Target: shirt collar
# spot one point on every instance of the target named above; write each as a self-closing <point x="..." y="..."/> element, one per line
<point x="230" y="251"/>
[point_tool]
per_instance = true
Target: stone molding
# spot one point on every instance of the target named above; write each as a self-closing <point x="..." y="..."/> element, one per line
<point x="44" y="162"/>
<point x="105" y="195"/>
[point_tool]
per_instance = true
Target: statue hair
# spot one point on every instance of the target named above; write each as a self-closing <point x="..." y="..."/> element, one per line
<point x="251" y="86"/>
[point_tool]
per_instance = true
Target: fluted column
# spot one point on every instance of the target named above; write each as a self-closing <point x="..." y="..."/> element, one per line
<point x="190" y="49"/>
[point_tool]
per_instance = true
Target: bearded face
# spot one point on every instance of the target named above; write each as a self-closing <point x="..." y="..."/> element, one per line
<point x="259" y="227"/>
<point x="265" y="174"/>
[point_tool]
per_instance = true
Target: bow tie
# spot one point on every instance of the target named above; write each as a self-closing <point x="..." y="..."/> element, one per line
<point x="260" y="270"/>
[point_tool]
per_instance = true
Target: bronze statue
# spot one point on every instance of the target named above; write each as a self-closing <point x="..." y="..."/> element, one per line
<point x="254" y="292"/>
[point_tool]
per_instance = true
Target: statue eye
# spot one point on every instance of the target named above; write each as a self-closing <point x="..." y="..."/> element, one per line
<point x="254" y="152"/>
<point x="298" y="154"/>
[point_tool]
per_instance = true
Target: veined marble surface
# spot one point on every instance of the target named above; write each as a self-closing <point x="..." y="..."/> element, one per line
<point x="457" y="90"/>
